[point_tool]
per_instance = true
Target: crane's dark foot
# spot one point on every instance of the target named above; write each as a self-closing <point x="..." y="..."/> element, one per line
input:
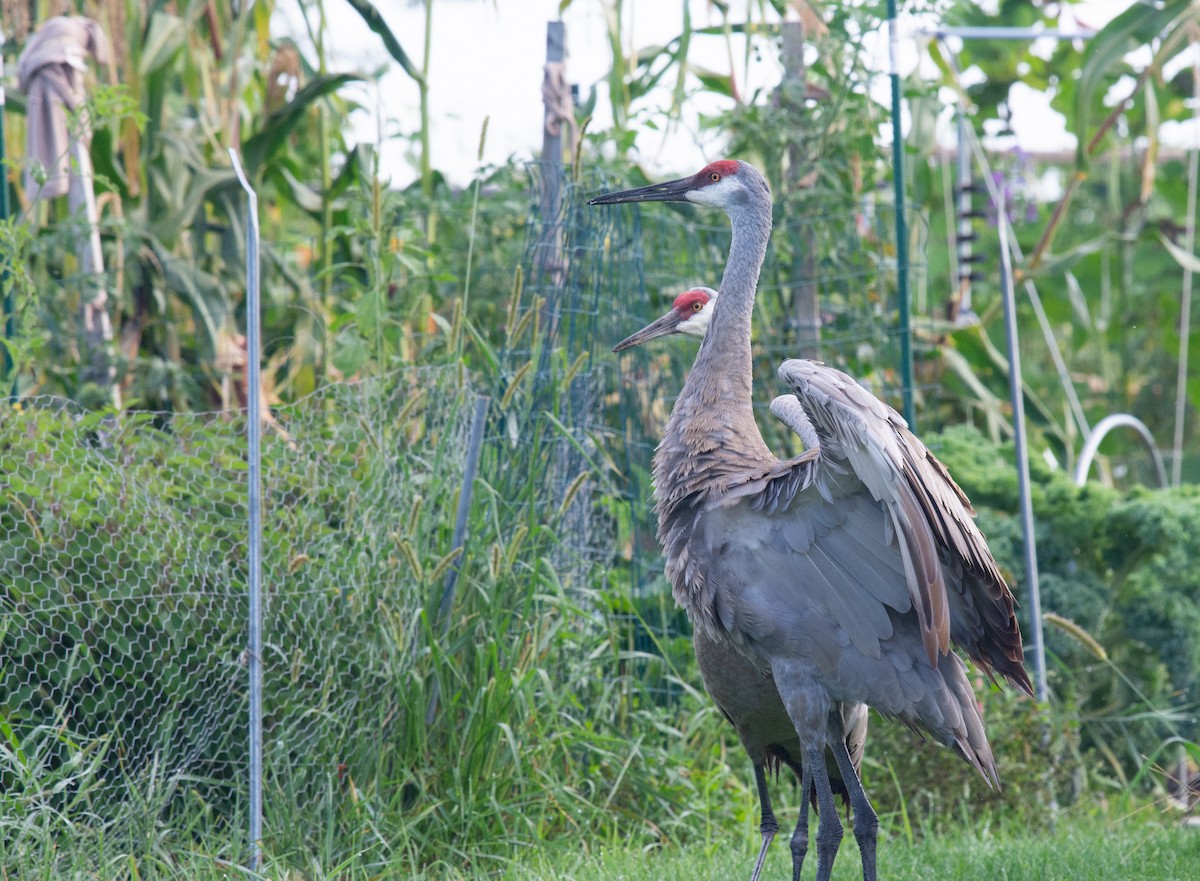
<point x="799" y="848"/>
<point x="829" y="832"/>
<point x="866" y="833"/>
<point x="769" y="827"/>
<point x="768" y="824"/>
<point x="866" y="823"/>
<point x="829" y="839"/>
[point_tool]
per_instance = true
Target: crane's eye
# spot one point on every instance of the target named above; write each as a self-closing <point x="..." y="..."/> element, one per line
<point x="714" y="176"/>
<point x="696" y="307"/>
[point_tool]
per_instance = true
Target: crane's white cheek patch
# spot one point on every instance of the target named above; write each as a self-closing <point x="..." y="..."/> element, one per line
<point x="694" y="326"/>
<point x="706" y="196"/>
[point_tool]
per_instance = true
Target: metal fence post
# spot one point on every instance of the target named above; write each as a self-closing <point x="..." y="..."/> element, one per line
<point x="254" y="493"/>
<point x="1017" y="389"/>
<point x="474" y="447"/>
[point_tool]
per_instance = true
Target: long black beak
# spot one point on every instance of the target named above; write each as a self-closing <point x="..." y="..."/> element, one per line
<point x="664" y="326"/>
<point x="671" y="191"/>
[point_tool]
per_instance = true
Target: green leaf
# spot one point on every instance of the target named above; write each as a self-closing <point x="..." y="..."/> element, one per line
<point x="165" y="37"/>
<point x="280" y="124"/>
<point x="350" y="352"/>
<point x="203" y="293"/>
<point x="367" y="312"/>
<point x="298" y="192"/>
<point x="354" y="170"/>
<point x="718" y="83"/>
<point x="1053" y="264"/>
<point x="376" y="23"/>
<point x="191" y="191"/>
<point x="1182" y="256"/>
<point x="1136" y="26"/>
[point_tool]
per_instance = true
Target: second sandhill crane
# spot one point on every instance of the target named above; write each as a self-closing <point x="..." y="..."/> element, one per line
<point x="847" y="571"/>
<point x="744" y="694"/>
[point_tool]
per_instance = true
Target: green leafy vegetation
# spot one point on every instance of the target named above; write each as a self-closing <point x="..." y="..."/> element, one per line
<point x="563" y="714"/>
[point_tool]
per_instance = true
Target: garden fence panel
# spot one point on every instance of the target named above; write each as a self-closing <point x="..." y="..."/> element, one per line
<point x="123" y="560"/>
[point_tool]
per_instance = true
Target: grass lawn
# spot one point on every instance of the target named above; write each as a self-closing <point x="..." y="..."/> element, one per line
<point x="1099" y="848"/>
<point x="1143" y="845"/>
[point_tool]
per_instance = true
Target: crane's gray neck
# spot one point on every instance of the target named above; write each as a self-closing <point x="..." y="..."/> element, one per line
<point x="724" y="357"/>
<point x="712" y="435"/>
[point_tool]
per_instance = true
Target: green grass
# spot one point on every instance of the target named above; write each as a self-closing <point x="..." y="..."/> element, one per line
<point x="1144" y="846"/>
<point x="1119" y="842"/>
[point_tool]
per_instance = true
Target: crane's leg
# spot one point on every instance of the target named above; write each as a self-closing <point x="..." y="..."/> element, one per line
<point x="800" y="836"/>
<point x="829" y="832"/>
<point x="808" y="705"/>
<point x="866" y="823"/>
<point x="769" y="825"/>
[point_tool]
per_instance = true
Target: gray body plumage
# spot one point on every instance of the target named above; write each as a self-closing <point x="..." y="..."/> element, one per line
<point x="816" y="568"/>
<point x="748" y="698"/>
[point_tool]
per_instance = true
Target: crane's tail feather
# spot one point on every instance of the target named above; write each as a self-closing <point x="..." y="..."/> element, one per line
<point x="970" y="740"/>
<point x="951" y="697"/>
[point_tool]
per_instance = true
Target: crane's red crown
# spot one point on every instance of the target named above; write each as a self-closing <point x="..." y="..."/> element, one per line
<point x="691" y="301"/>
<point x="716" y="171"/>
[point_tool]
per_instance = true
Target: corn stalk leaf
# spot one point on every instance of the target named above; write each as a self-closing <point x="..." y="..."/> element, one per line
<point x="165" y="38"/>
<point x="1136" y="26"/>
<point x="258" y="148"/>
<point x="376" y="23"/>
<point x="203" y="293"/>
<point x="1182" y="256"/>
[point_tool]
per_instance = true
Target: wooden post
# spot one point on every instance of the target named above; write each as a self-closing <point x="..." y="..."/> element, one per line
<point x="552" y="142"/>
<point x="806" y="312"/>
<point x="549" y="261"/>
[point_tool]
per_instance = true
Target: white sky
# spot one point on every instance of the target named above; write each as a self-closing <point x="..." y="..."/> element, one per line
<point x="487" y="57"/>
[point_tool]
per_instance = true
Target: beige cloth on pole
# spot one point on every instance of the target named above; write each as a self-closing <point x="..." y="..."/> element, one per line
<point x="51" y="74"/>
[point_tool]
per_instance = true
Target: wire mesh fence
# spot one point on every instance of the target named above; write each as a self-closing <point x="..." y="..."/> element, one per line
<point x="123" y="602"/>
<point x="123" y="563"/>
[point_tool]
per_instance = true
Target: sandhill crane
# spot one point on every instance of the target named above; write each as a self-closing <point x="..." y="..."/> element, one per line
<point x="845" y="571"/>
<point x="690" y="314"/>
<point x="744" y="694"/>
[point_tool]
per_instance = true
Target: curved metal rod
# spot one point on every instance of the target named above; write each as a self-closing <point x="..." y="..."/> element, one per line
<point x="1103" y="427"/>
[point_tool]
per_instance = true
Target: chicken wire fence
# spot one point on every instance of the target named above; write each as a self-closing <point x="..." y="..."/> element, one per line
<point x="124" y="547"/>
<point x="123" y="562"/>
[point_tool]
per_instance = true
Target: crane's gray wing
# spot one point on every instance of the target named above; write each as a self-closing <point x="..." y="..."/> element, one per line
<point x="929" y="510"/>
<point x="812" y="591"/>
<point x="816" y="579"/>
<point x="851" y="425"/>
<point x="795" y="548"/>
